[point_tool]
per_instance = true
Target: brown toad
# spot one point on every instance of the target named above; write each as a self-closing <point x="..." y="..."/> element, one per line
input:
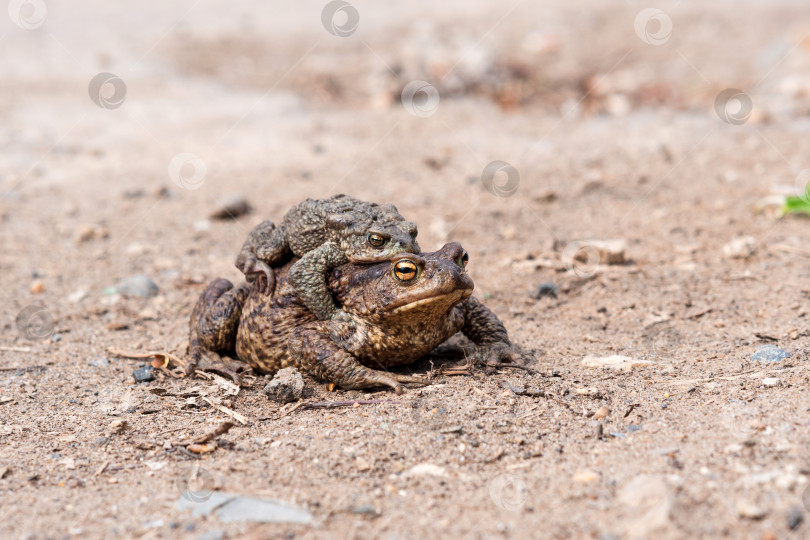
<point x="398" y="311"/>
<point x="325" y="233"/>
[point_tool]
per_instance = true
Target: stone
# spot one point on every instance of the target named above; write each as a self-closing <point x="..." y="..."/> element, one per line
<point x="144" y="374"/>
<point x="585" y="477"/>
<point x="610" y="251"/>
<point x="749" y="510"/>
<point x="139" y="286"/>
<point x="770" y="353"/>
<point x="770" y="381"/>
<point x="795" y="517"/>
<point x="740" y="247"/>
<point x="546" y="290"/>
<point x="426" y="469"/>
<point x="232" y="207"/>
<point x="286" y="386"/>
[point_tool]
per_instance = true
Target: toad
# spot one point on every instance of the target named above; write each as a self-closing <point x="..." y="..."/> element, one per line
<point x="324" y="233"/>
<point x="397" y="312"/>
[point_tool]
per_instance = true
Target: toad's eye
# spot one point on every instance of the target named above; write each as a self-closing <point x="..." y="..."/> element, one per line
<point x="376" y="240"/>
<point x="405" y="270"/>
<point x="463" y="260"/>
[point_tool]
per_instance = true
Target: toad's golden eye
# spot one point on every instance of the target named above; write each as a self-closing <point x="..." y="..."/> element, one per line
<point x="376" y="240"/>
<point x="463" y="260"/>
<point x="405" y="270"/>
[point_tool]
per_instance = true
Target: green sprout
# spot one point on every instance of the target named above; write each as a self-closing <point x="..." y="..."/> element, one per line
<point x="796" y="205"/>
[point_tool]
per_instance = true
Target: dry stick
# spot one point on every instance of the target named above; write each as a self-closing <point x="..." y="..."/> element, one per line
<point x="102" y="468"/>
<point x="220" y="430"/>
<point x="242" y="419"/>
<point x="15" y="349"/>
<point x="332" y="405"/>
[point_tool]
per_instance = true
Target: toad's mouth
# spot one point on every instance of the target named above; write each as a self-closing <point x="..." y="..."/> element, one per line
<point x="449" y="299"/>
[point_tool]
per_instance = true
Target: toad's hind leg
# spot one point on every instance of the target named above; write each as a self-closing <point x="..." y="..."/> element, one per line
<point x="318" y="355"/>
<point x="215" y="321"/>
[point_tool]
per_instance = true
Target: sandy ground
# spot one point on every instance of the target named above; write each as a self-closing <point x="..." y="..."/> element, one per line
<point x="612" y="129"/>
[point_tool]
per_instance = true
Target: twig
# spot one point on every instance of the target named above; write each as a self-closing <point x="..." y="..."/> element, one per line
<point x="336" y="404"/>
<point x="514" y="366"/>
<point x="699" y="314"/>
<point x="242" y="419"/>
<point x="15" y="349"/>
<point x="102" y="468"/>
<point x="220" y="430"/>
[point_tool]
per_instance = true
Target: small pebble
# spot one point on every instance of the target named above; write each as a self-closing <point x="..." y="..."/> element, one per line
<point x="740" y="247"/>
<point x="596" y="429"/>
<point x="287" y="386"/>
<point x="144" y="374"/>
<point x="770" y="381"/>
<point x="231" y="207"/>
<point x="770" y="353"/>
<point x="749" y="510"/>
<point x="56" y="338"/>
<point x="138" y="286"/>
<point x="795" y="517"/>
<point x="547" y="290"/>
<point x="37" y="287"/>
<point x="366" y="509"/>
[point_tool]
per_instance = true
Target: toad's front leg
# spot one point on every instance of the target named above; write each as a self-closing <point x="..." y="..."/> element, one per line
<point x="308" y="278"/>
<point x="484" y="329"/>
<point x="313" y="348"/>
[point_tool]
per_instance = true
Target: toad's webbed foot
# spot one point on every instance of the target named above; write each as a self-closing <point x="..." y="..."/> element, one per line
<point x="319" y="355"/>
<point x="215" y="320"/>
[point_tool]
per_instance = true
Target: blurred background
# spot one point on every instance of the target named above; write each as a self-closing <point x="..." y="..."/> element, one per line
<point x="141" y="141"/>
